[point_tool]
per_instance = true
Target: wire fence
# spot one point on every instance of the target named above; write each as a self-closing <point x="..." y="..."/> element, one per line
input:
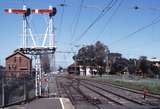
<point x="14" y="90"/>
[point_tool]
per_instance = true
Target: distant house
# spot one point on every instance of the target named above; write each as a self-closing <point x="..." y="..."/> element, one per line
<point x="155" y="62"/>
<point x="81" y="70"/>
<point x="73" y="69"/>
<point x="17" y="64"/>
<point x="88" y="71"/>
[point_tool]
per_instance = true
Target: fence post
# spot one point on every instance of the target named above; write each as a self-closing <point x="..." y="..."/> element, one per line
<point x="24" y="86"/>
<point x="3" y="86"/>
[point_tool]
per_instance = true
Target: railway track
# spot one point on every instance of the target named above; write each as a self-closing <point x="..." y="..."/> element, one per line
<point x="135" y="97"/>
<point x="119" y="99"/>
<point x="111" y="93"/>
<point x="91" y="100"/>
<point x="126" y="93"/>
<point x="156" y="96"/>
<point x="69" y="94"/>
<point x="88" y="99"/>
<point x="77" y="96"/>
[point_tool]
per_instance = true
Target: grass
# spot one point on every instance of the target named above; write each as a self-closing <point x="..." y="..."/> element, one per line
<point x="154" y="89"/>
<point x="152" y="84"/>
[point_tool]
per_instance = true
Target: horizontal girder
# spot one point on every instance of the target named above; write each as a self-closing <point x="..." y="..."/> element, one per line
<point x="32" y="11"/>
<point x="37" y="50"/>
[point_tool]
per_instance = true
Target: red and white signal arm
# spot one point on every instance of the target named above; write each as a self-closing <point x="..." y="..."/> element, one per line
<point x="15" y="11"/>
<point x="50" y="11"/>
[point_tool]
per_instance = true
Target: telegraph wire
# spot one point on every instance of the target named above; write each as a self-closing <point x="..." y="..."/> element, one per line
<point x="140" y="45"/>
<point x="153" y="22"/>
<point x="65" y="52"/>
<point x="24" y="3"/>
<point x="77" y="20"/>
<point x="109" y="20"/>
<point x="103" y="12"/>
<point x="61" y="19"/>
<point x="92" y="7"/>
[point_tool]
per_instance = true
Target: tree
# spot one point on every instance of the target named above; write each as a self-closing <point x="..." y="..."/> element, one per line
<point x="101" y="52"/>
<point x="133" y="66"/>
<point x="1" y="68"/>
<point x="155" y="69"/>
<point x="119" y="66"/>
<point x="144" y="65"/>
<point x="92" y="55"/>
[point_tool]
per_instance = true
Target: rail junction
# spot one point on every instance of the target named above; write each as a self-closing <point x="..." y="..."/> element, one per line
<point x="69" y="91"/>
<point x="89" y="94"/>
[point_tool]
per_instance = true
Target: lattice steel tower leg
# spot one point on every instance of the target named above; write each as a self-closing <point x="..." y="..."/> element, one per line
<point x="24" y="34"/>
<point x="51" y="39"/>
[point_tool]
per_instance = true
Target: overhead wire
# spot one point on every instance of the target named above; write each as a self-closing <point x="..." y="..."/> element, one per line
<point x="153" y="22"/>
<point x="61" y="19"/>
<point x="77" y="19"/>
<point x="109" y="20"/>
<point x="24" y="3"/>
<point x="103" y="12"/>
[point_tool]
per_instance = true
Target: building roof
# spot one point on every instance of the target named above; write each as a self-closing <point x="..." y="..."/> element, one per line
<point x="154" y="60"/>
<point x="16" y="54"/>
<point x="72" y="65"/>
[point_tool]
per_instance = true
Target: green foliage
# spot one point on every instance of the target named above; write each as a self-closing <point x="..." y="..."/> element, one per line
<point x="144" y="65"/>
<point x="92" y="55"/>
<point x="98" y="56"/>
<point x="119" y="65"/>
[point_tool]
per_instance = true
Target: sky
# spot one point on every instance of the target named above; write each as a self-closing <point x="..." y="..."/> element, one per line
<point x="113" y="29"/>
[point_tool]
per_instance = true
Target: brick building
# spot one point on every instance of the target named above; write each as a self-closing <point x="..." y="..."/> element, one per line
<point x="17" y="64"/>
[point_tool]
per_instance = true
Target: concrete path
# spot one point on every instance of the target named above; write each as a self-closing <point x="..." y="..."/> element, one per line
<point x="46" y="103"/>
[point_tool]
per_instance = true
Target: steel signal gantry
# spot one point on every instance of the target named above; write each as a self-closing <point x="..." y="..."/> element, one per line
<point x="47" y="46"/>
<point x="26" y="28"/>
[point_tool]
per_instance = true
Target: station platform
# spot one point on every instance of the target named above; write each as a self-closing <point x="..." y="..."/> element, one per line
<point x="46" y="103"/>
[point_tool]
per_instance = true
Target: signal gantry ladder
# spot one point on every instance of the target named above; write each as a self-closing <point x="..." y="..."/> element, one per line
<point x="31" y="46"/>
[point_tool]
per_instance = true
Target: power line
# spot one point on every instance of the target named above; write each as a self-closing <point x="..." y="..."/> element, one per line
<point x="77" y="21"/>
<point x="110" y="19"/>
<point x="24" y="3"/>
<point x="103" y="12"/>
<point x="135" y="48"/>
<point x="155" y="21"/>
<point x="62" y="15"/>
<point x="63" y="62"/>
<point x="92" y="7"/>
<point x="65" y="52"/>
